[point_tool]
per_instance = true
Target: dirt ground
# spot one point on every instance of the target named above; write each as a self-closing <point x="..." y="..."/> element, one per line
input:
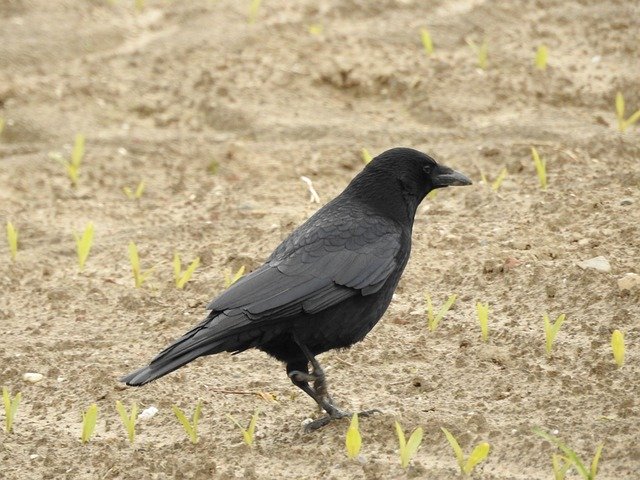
<point x="220" y="118"/>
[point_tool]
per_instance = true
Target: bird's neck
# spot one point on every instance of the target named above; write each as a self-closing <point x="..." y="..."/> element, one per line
<point x="387" y="197"/>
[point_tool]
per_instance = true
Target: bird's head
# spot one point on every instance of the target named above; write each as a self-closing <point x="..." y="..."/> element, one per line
<point x="404" y="174"/>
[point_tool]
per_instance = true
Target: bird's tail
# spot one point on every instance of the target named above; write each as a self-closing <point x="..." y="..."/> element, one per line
<point x="201" y="340"/>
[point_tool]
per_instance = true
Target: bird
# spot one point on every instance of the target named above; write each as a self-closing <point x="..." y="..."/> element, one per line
<point x="326" y="285"/>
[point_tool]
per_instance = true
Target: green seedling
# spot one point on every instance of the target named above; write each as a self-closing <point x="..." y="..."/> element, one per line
<point x="408" y="448"/>
<point x="190" y="427"/>
<point x="316" y="29"/>
<point x="213" y="167"/>
<point x="83" y="244"/>
<point x="427" y="43"/>
<point x="622" y="123"/>
<point x="551" y="331"/>
<point x="353" y="439"/>
<point x="89" y="419"/>
<point x="560" y="465"/>
<point x="497" y="183"/>
<point x="179" y="276"/>
<point x="433" y="319"/>
<point x="12" y="240"/>
<point x="541" y="168"/>
<point x="542" y="56"/>
<point x="366" y="156"/>
<point x="482" y="53"/>
<point x="617" y="346"/>
<point x="432" y="194"/>
<point x="254" y="7"/>
<point x="139" y="276"/>
<point x="10" y="408"/>
<point x="2" y="124"/>
<point x="230" y="278"/>
<point x="73" y="166"/>
<point x="134" y="194"/>
<point x="139" y="4"/>
<point x="572" y="456"/>
<point x="248" y="434"/>
<point x="482" y="310"/>
<point x="478" y="454"/>
<point x="128" y="419"/>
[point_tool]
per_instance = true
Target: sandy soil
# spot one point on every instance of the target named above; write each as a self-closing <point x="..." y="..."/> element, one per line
<point x="220" y="118"/>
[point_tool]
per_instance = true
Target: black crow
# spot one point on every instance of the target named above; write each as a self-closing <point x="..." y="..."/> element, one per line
<point x="326" y="285"/>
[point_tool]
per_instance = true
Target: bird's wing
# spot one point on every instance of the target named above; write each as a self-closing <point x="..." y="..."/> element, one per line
<point x="315" y="270"/>
<point x="322" y="263"/>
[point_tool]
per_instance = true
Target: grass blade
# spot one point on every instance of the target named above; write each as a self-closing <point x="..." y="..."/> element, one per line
<point x="456" y="447"/>
<point x="542" y="55"/>
<point x="366" y="156"/>
<point x="12" y="240"/>
<point x="570" y="454"/>
<point x="477" y="455"/>
<point x="541" y="168"/>
<point x="10" y="408"/>
<point x="482" y="311"/>
<point x="427" y="43"/>
<point x="89" y="419"/>
<point x="617" y="345"/>
<point x="353" y="439"/>
<point x="128" y="420"/>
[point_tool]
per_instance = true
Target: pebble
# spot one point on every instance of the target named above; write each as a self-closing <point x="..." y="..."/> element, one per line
<point x="626" y="201"/>
<point x="32" y="377"/>
<point x="600" y="264"/>
<point x="148" y="413"/>
<point x="629" y="281"/>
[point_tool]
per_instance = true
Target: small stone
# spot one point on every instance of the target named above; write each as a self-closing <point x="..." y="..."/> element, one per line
<point x="148" y="413"/>
<point x="600" y="264"/>
<point x="32" y="377"/>
<point x="629" y="281"/>
<point x="626" y="201"/>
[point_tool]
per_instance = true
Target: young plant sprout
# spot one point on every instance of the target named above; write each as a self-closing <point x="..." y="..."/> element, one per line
<point x="542" y="56"/>
<point x="617" y="346"/>
<point x="89" y="419"/>
<point x="432" y="194"/>
<point x="572" y="456"/>
<point x="560" y="465"/>
<point x="495" y="185"/>
<point x="73" y="166"/>
<point x="353" y="439"/>
<point x="408" y="448"/>
<point x="2" y="123"/>
<point x="316" y="29"/>
<point x="12" y="240"/>
<point x="482" y="53"/>
<point x="551" y="331"/>
<point x="10" y="408"/>
<point x="253" y="10"/>
<point x="128" y="419"/>
<point x="139" y="4"/>
<point x="83" y="244"/>
<point x="623" y="123"/>
<point x="139" y="276"/>
<point x="427" y="43"/>
<point x="179" y="276"/>
<point x="230" y="278"/>
<point x="541" y="168"/>
<point x="366" y="156"/>
<point x="478" y="454"/>
<point x="134" y="194"/>
<point x="248" y="434"/>
<point x="433" y="319"/>
<point x="482" y="310"/>
<point x="190" y="427"/>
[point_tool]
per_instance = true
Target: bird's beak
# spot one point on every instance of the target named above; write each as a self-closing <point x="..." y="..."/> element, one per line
<point x="447" y="177"/>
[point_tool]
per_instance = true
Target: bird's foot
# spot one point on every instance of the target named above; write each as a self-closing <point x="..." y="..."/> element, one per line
<point x="336" y="414"/>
